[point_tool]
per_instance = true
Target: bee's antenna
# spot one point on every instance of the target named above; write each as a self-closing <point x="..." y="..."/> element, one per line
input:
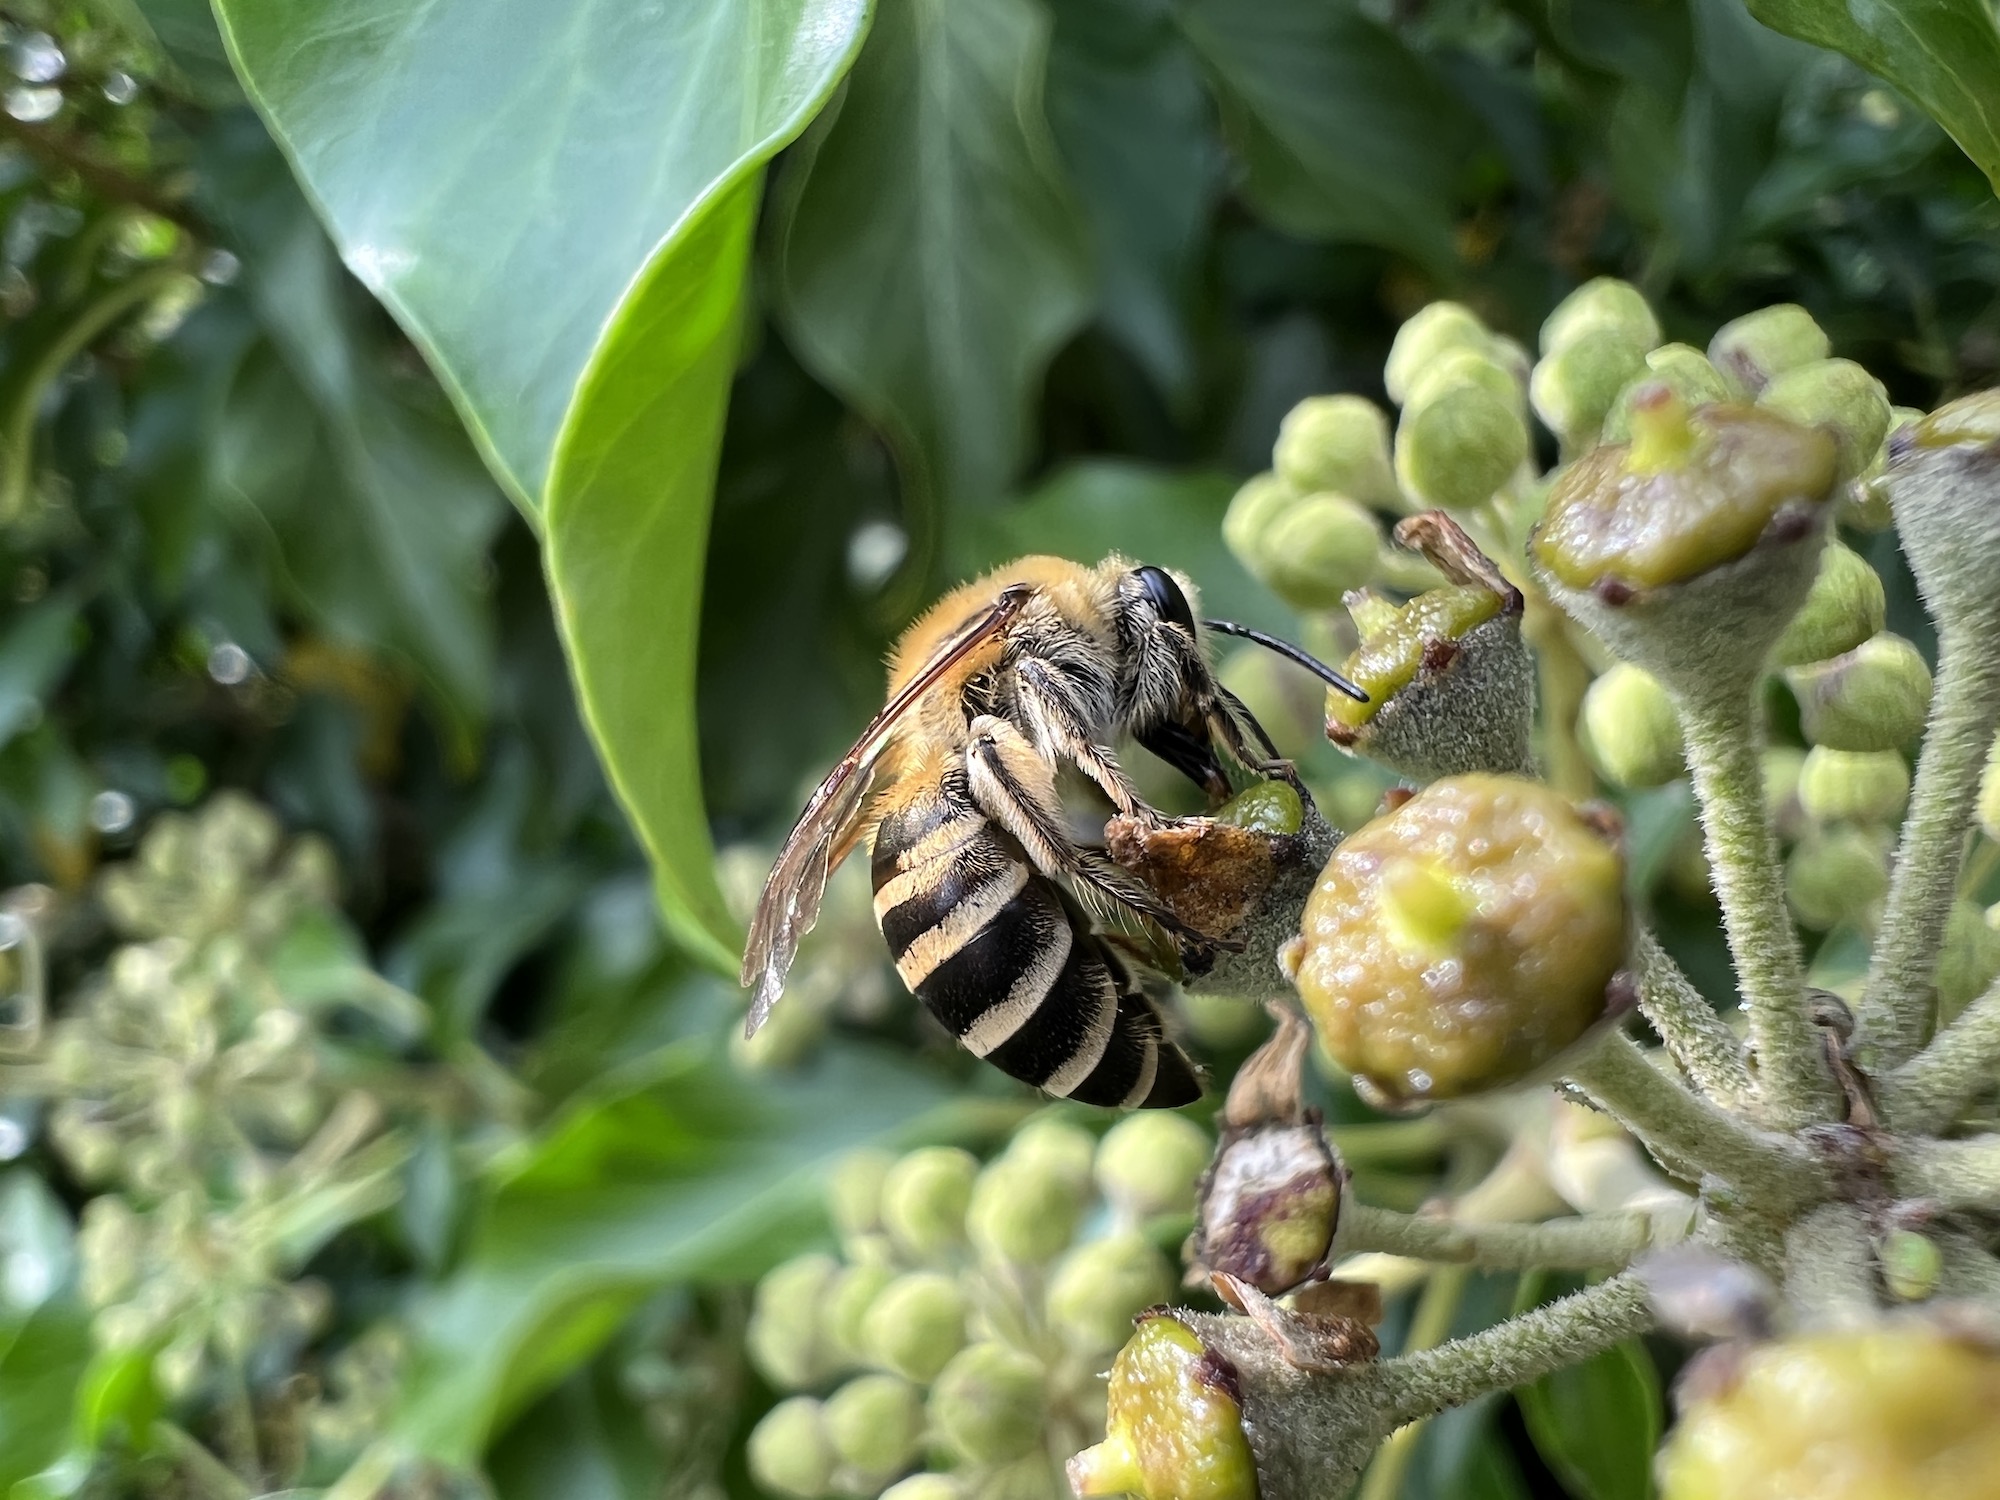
<point x="1290" y="652"/>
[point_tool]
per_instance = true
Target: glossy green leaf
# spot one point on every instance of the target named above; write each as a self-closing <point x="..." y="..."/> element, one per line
<point x="1944" y="54"/>
<point x="930" y="257"/>
<point x="42" y="1358"/>
<point x="675" y="1170"/>
<point x="1344" y="133"/>
<point x="1596" y="1424"/>
<point x="556" y="201"/>
<point x="586" y="1440"/>
<point x="35" y="648"/>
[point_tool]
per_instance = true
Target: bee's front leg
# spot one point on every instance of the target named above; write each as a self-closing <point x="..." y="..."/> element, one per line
<point x="1049" y="705"/>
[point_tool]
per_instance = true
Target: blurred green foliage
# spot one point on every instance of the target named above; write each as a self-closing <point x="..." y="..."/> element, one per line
<point x="771" y="319"/>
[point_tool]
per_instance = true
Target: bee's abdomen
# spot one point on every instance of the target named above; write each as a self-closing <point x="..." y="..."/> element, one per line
<point x="989" y="948"/>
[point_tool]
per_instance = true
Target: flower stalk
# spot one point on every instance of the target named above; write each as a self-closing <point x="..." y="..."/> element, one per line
<point x="1590" y="1242"/>
<point x="1930" y="1089"/>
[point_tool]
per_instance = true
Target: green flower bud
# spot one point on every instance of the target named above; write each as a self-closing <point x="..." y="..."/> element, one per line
<point x="1339" y="444"/>
<point x="854" y="1196"/>
<point x="784" y="1333"/>
<point x="1602" y="305"/>
<point x="789" y="1451"/>
<point x="1463" y="940"/>
<point x="875" y="1424"/>
<point x="1840" y="397"/>
<point x="1426" y="338"/>
<point x="1575" y="385"/>
<point x="1462" y="435"/>
<point x="1845" y="607"/>
<point x="1271" y="807"/>
<point x="1269" y="1206"/>
<point x="1756" y="348"/>
<point x="1022" y="1211"/>
<point x="1782" y="767"/>
<point x="924" y="1198"/>
<point x="987" y="1404"/>
<point x="1968" y="962"/>
<point x="1096" y="1290"/>
<point x="1837" y="876"/>
<point x="1052" y="1144"/>
<point x="1174" y="1424"/>
<point x="1147" y="1163"/>
<point x="1854" y="786"/>
<point x="1912" y="1265"/>
<point x="1631" y="730"/>
<point x="1989" y="794"/>
<point x="1317" y="549"/>
<point x="853" y="1292"/>
<point x="1874" y="697"/>
<point x="1682" y="369"/>
<point x="1944" y="486"/>
<point x="915" y="1325"/>
<point x="926" y="1487"/>
<point x="1260" y="501"/>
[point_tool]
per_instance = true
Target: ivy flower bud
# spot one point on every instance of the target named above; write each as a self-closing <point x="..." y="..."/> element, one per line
<point x="1316" y="549"/>
<point x="1022" y="1211"/>
<point x="1463" y="940"/>
<point x="789" y="1452"/>
<point x="1260" y="501"/>
<point x="1097" y="1289"/>
<point x="1056" y="1145"/>
<point x="1854" y="786"/>
<point x="1682" y="369"/>
<point x="1426" y="338"/>
<point x="1968" y="961"/>
<point x="1837" y="876"/>
<point x="1899" y="1410"/>
<point x="1782" y="765"/>
<point x="987" y="1404"/>
<point x="1911" y="1264"/>
<point x="1844" y="608"/>
<point x="1630" y="729"/>
<point x="851" y="1294"/>
<point x="1147" y="1163"/>
<point x="784" y="1333"/>
<point x="925" y="1487"/>
<point x="1269" y="1205"/>
<point x="1944" y="487"/>
<point x="924" y="1198"/>
<point x="874" y="1424"/>
<point x="1338" y="444"/>
<point x="854" y="1196"/>
<point x="1174" y="1423"/>
<point x="1837" y="396"/>
<point x="1874" y="697"/>
<point x="915" y="1325"/>
<point x="1462" y="435"/>
<point x="1576" y="385"/>
<point x="1758" y="347"/>
<point x="1602" y="305"/>
<point x="1989" y="794"/>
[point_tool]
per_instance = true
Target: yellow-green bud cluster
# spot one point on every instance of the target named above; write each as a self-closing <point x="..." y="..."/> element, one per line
<point x="966" y="1315"/>
<point x="1463" y="432"/>
<point x="1594" y="345"/>
<point x="1874" y="697"/>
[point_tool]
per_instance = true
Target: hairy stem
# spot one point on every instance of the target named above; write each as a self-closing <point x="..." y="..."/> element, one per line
<point x="1430" y="1325"/>
<point x="1830" y="1267"/>
<point x="1699" y="1039"/>
<point x="1927" y="1092"/>
<point x="1594" y="1242"/>
<point x="1952" y="1174"/>
<point x="1897" y="1011"/>
<point x="1723" y="755"/>
<point x="1690" y="1137"/>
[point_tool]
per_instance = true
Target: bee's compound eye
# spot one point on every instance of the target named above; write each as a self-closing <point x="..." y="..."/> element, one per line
<point x="1165" y="596"/>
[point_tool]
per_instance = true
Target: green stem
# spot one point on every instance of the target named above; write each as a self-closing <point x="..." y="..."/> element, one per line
<point x="1691" y="1137"/>
<point x="1830" y="1267"/>
<point x="1593" y="1242"/>
<point x="213" y="1480"/>
<point x="1897" y="1012"/>
<point x="1723" y="749"/>
<point x="1430" y="1325"/>
<point x="1699" y="1039"/>
<point x="17" y="428"/>
<point x="1952" y="1174"/>
<point x="1390" y="1142"/>
<point x="1926" y="1093"/>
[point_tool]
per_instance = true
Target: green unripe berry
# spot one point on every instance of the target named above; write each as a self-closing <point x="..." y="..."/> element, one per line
<point x="1260" y="501"/>
<point x="875" y="1424"/>
<point x="1989" y="794"/>
<point x="1836" y="876"/>
<point x="1874" y="697"/>
<point x="784" y="1333"/>
<point x="926" y="1487"/>
<point x="924" y="1198"/>
<point x="1602" y="305"/>
<point x="1911" y="1265"/>
<point x="1854" y="786"/>
<point x="1096" y="1290"/>
<point x="987" y="1404"/>
<point x="1840" y="397"/>
<point x="915" y="1325"/>
<point x="1575" y="385"/>
<point x="1968" y="962"/>
<point x="1758" y="347"/>
<point x="1174" y="1431"/>
<point x="1267" y="807"/>
<point x="854" y="1196"/>
<point x="1462" y="435"/>
<point x="1631" y="730"/>
<point x="852" y="1293"/>
<point x="1147" y="1164"/>
<point x="1426" y="338"/>
<point x="1682" y="369"/>
<point x="1022" y="1211"/>
<point x="1316" y="549"/>
<point x="1845" y="607"/>
<point x="789" y="1451"/>
<point x="1053" y="1144"/>
<point x="1338" y="444"/>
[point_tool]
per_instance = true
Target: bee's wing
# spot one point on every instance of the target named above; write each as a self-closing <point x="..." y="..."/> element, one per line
<point x="826" y="830"/>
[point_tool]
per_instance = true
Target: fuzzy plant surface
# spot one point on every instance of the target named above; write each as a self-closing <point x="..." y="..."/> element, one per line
<point x="1683" y="595"/>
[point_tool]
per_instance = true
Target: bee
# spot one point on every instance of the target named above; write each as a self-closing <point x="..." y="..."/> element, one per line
<point x="980" y="892"/>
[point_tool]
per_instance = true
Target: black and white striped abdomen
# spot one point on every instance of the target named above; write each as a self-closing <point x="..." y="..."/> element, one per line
<point x="986" y="943"/>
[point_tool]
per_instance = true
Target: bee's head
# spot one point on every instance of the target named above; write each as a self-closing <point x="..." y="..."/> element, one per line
<point x="1156" y="592"/>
